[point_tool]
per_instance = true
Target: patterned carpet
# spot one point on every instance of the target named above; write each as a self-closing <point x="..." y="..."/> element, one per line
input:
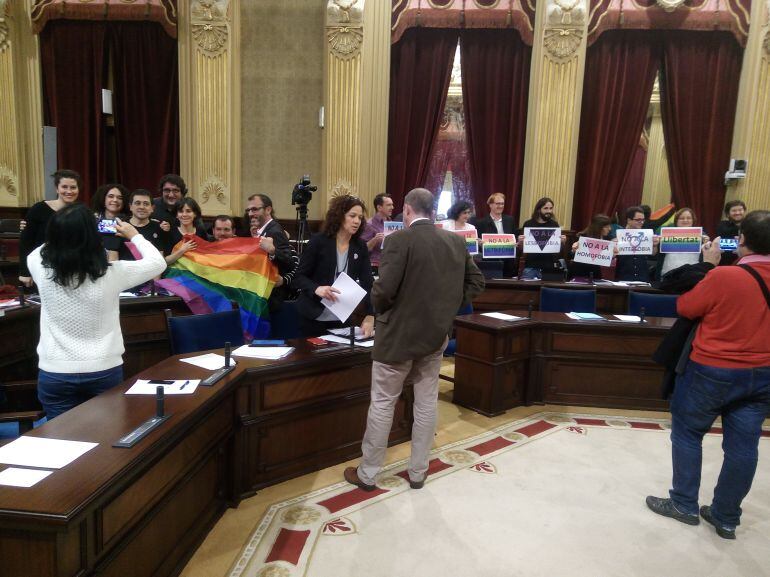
<point x="552" y="494"/>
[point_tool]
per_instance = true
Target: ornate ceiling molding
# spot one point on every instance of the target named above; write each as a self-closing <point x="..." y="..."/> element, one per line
<point x="670" y="5"/>
<point x="564" y="30"/>
<point x="209" y="26"/>
<point x="343" y="188"/>
<point x="344" y="27"/>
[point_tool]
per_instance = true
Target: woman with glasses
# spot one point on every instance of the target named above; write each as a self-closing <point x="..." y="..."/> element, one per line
<point x="635" y="268"/>
<point x="337" y="249"/>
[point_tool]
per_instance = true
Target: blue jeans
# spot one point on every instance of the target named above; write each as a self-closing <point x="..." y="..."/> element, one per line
<point x="59" y="392"/>
<point x="742" y="398"/>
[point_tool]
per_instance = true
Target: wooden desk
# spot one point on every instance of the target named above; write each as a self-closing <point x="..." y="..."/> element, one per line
<point x="144" y="510"/>
<point x="502" y="294"/>
<point x="141" y="320"/>
<point x="553" y="359"/>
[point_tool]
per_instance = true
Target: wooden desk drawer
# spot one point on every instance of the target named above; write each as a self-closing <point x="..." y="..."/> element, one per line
<point x="140" y="495"/>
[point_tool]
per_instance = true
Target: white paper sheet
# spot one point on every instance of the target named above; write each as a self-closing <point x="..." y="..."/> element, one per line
<point x="502" y="316"/>
<point x="178" y="387"/>
<point x="6" y="303"/>
<point x="348" y="298"/>
<point x="45" y="453"/>
<point x="210" y="361"/>
<point x="585" y="316"/>
<point x="346" y="341"/>
<point x="15" y="477"/>
<point x="629" y="318"/>
<point x="269" y="353"/>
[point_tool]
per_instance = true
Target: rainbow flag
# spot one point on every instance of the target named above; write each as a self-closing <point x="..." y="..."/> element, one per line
<point x="498" y="246"/>
<point x="681" y="239"/>
<point x="216" y="273"/>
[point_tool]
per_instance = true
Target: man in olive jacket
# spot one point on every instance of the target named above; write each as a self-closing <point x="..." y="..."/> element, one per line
<point x="426" y="275"/>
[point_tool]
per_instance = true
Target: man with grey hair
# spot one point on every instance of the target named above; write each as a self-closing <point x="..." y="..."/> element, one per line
<point x="426" y="275"/>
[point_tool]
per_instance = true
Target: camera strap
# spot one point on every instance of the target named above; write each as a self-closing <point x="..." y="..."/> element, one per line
<point x="760" y="280"/>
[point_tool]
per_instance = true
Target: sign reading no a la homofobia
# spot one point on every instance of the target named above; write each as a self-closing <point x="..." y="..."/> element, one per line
<point x="594" y="251"/>
<point x="634" y="241"/>
<point x="542" y="240"/>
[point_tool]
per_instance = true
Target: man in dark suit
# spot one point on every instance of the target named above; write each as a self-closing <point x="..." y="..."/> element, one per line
<point x="498" y="223"/>
<point x="274" y="241"/>
<point x="426" y="275"/>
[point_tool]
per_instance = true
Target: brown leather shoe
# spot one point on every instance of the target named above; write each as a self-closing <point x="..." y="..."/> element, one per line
<point x="418" y="484"/>
<point x="351" y="476"/>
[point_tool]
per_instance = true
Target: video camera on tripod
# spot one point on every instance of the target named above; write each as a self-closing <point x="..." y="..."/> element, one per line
<point x="300" y="197"/>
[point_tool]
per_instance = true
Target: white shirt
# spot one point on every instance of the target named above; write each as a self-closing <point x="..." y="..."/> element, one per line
<point x="450" y="224"/>
<point x="80" y="327"/>
<point x="498" y="224"/>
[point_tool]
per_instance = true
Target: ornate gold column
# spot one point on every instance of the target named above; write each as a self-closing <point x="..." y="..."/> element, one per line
<point x="375" y="56"/>
<point x="342" y="97"/>
<point x="555" y="94"/>
<point x="21" y="145"/>
<point x="657" y="187"/>
<point x="210" y="103"/>
<point x="751" y="138"/>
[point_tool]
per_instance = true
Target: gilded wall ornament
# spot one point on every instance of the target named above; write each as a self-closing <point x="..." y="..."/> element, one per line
<point x="669" y="5"/>
<point x="565" y="29"/>
<point x="273" y="571"/>
<point x="343" y="188"/>
<point x="7" y="182"/>
<point x="214" y="188"/>
<point x="209" y="26"/>
<point x="344" y="27"/>
<point x="345" y="42"/>
<point x="766" y="44"/>
<point x="5" y="33"/>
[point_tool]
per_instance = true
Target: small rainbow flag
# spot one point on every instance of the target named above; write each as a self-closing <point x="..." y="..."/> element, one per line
<point x="209" y="277"/>
<point x="498" y="246"/>
<point x="681" y="239"/>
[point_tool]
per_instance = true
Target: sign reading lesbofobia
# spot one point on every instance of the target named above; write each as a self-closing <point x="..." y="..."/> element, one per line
<point x="594" y="251"/>
<point x="634" y="241"/>
<point x="542" y="240"/>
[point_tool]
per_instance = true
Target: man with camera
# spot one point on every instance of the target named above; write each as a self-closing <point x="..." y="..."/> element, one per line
<point x="727" y="375"/>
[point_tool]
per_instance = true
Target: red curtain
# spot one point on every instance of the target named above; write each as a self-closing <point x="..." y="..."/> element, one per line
<point x="631" y="191"/>
<point x="146" y="103"/>
<point x="495" y="71"/>
<point x="620" y="73"/>
<point x="74" y="70"/>
<point x="699" y="93"/>
<point x="421" y="65"/>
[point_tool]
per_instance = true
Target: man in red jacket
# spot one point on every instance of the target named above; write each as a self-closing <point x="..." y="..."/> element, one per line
<point x="728" y="374"/>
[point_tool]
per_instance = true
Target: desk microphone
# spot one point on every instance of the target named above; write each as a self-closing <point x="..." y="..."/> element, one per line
<point x="641" y="315"/>
<point x="352" y="336"/>
<point x="227" y="354"/>
<point x="22" y="300"/>
<point x="152" y="288"/>
<point x="160" y="396"/>
<point x="591" y="277"/>
<point x="529" y="308"/>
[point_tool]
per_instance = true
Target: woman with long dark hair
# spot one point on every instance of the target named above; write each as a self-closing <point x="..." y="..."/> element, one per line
<point x="81" y="345"/>
<point x="109" y="203"/>
<point x="457" y="216"/>
<point x="189" y="215"/>
<point x="68" y="184"/>
<point x="600" y="227"/>
<point x="338" y="248"/>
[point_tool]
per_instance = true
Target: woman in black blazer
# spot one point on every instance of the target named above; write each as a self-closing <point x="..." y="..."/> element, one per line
<point x="335" y="250"/>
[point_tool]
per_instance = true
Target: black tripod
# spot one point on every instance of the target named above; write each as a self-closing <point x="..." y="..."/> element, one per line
<point x="302" y="228"/>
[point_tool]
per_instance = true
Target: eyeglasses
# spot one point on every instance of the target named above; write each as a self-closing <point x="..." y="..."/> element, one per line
<point x="638" y="219"/>
<point x="171" y="190"/>
<point x="254" y="208"/>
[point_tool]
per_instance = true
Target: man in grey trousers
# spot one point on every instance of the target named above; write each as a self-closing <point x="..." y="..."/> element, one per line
<point x="426" y="275"/>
